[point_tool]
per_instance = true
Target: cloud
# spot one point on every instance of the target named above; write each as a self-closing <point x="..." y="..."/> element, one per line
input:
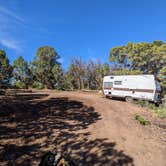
<point x="11" y="44"/>
<point x="61" y="60"/>
<point x="10" y="26"/>
<point x="11" y="14"/>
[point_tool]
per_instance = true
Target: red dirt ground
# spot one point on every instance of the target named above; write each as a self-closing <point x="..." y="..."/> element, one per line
<point x="89" y="128"/>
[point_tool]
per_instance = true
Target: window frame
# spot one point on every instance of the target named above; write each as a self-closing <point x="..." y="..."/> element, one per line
<point x="117" y="82"/>
<point x="108" y="86"/>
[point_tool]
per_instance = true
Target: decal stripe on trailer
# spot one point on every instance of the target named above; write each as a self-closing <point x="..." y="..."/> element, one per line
<point x="135" y="90"/>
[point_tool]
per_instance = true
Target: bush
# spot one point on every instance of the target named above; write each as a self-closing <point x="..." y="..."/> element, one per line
<point x="37" y="85"/>
<point x="20" y="85"/>
<point x="159" y="110"/>
<point x="144" y="103"/>
<point x="142" y="120"/>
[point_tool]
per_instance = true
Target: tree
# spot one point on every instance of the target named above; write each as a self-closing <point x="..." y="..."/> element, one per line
<point x="22" y="73"/>
<point x="58" y="76"/>
<point x="91" y="75"/>
<point x="137" y="58"/>
<point x="101" y="71"/>
<point x="162" y="77"/>
<point x="149" y="58"/>
<point x="5" y="70"/>
<point x="88" y="75"/>
<point x="71" y="78"/>
<point x="124" y="71"/>
<point x="43" y="65"/>
<point x="95" y="71"/>
<point x="76" y="73"/>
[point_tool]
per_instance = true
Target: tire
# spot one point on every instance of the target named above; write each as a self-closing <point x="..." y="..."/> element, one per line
<point x="106" y="96"/>
<point x="157" y="104"/>
<point x="129" y="99"/>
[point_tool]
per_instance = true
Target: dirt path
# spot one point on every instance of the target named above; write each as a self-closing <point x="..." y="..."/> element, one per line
<point x="146" y="144"/>
<point x="91" y="129"/>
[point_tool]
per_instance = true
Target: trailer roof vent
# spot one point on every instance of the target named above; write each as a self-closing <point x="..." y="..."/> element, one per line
<point x="111" y="77"/>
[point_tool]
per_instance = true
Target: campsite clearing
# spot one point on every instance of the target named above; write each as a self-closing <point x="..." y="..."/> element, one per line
<point x="91" y="129"/>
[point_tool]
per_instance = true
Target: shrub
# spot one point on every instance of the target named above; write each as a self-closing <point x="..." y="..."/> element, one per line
<point x="142" y="120"/>
<point x="159" y="110"/>
<point x="37" y="85"/>
<point x="20" y="85"/>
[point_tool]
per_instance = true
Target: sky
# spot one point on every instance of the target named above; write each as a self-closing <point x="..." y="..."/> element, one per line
<point x="87" y="29"/>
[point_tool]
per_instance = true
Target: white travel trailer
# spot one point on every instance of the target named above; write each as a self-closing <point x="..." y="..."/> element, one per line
<point x="130" y="87"/>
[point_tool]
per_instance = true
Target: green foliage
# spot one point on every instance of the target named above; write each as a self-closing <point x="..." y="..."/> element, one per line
<point x="22" y="73"/>
<point x="144" y="103"/>
<point x="90" y="72"/>
<point x="58" y="77"/>
<point x="88" y="75"/>
<point x="46" y="72"/>
<point x="158" y="42"/>
<point x="75" y="74"/>
<point x="20" y="85"/>
<point x="149" y="58"/>
<point x="163" y="71"/>
<point x="160" y="110"/>
<point x="5" y="70"/>
<point x="142" y="120"/>
<point x="125" y="71"/>
<point x="94" y="73"/>
<point x="37" y="85"/>
<point x="141" y="58"/>
<point x="45" y="66"/>
<point x="70" y="78"/>
<point x="162" y="76"/>
<point x="101" y="71"/>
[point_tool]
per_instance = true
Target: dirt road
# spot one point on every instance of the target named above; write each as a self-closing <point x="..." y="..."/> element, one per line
<point x="91" y="129"/>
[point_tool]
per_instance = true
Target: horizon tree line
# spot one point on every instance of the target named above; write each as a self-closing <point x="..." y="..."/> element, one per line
<point x="46" y="72"/>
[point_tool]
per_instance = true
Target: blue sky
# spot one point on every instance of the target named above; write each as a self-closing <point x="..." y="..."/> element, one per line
<point x="79" y="28"/>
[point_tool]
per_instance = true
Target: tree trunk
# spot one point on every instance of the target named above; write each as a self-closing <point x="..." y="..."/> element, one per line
<point x="82" y="83"/>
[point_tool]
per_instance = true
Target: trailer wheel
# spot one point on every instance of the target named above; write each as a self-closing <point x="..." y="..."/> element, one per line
<point x="128" y="99"/>
<point x="107" y="97"/>
<point x="157" y="104"/>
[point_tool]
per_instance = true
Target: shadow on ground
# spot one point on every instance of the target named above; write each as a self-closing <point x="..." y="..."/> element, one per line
<point x="29" y="128"/>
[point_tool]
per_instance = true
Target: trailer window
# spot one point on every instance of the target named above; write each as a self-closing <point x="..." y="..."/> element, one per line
<point x="118" y="82"/>
<point x="108" y="85"/>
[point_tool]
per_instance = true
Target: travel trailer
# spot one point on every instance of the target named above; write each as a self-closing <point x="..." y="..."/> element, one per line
<point x="131" y="87"/>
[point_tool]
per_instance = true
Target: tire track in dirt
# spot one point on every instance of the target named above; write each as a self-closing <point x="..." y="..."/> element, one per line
<point x="143" y="143"/>
<point x="92" y="129"/>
